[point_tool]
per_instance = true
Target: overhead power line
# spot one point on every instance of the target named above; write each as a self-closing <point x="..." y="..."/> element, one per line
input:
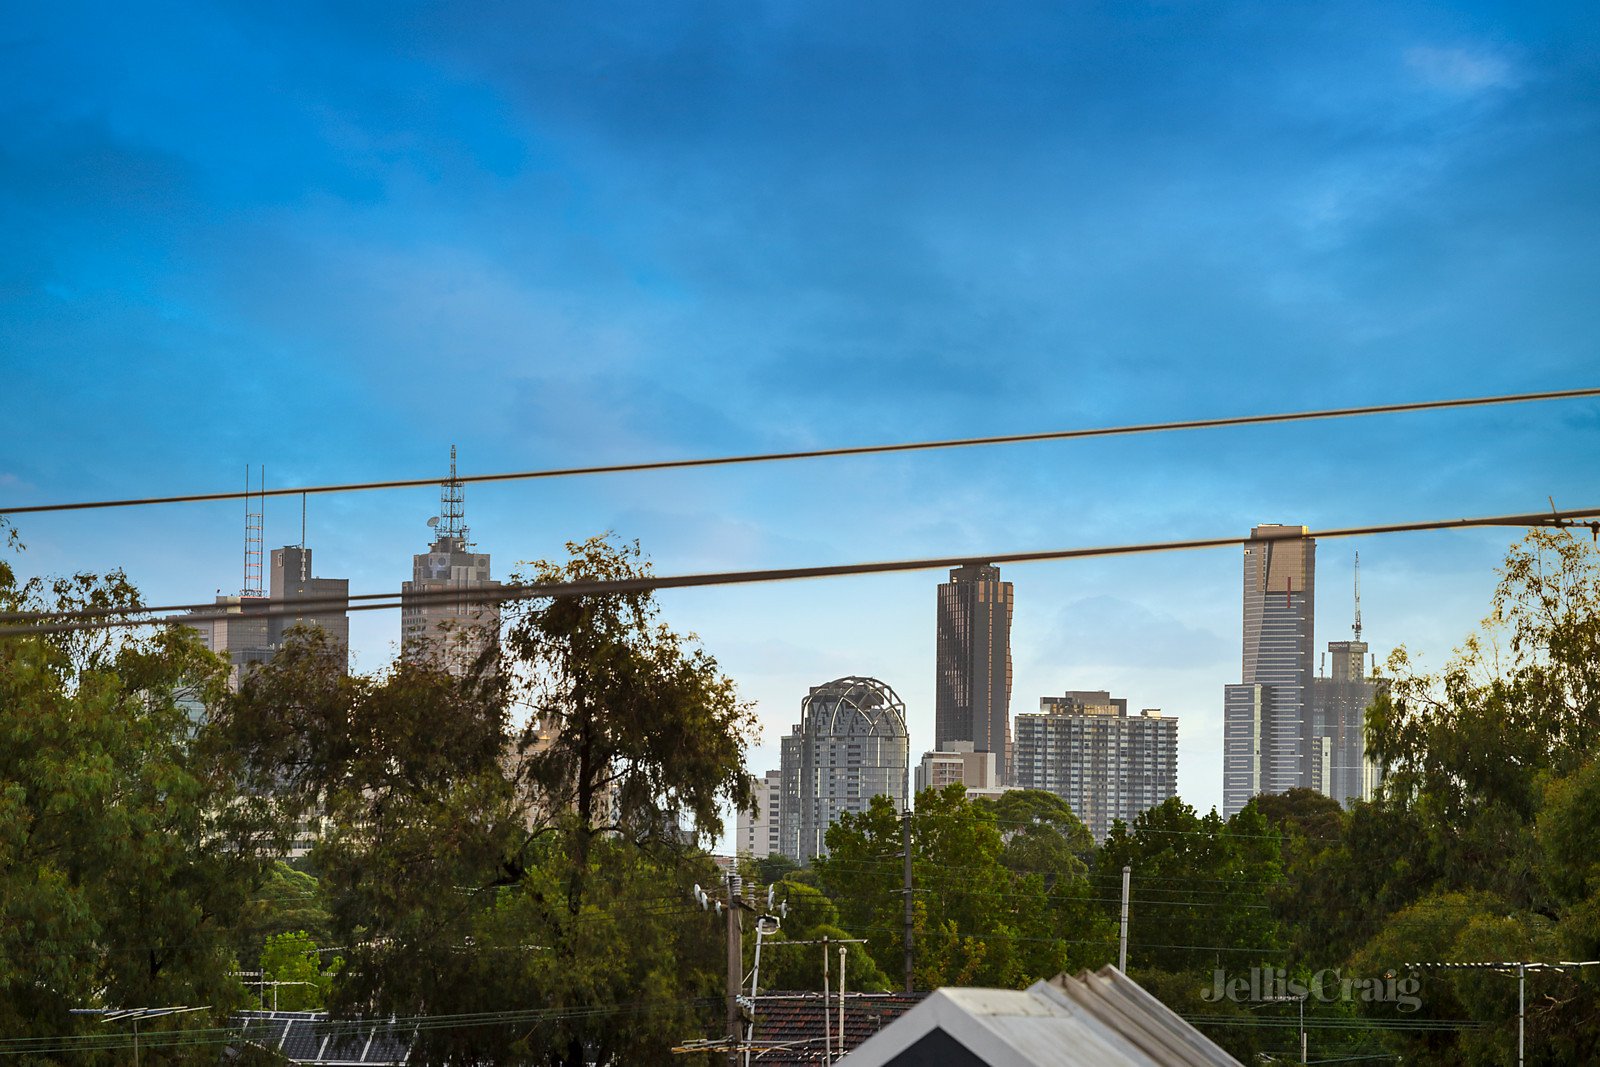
<point x="45" y="622"/>
<point x="824" y="453"/>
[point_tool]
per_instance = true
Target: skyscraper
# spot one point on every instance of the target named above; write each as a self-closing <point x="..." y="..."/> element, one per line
<point x="449" y="624"/>
<point x="1085" y="748"/>
<point x="324" y="599"/>
<point x="248" y="636"/>
<point x="1267" y="741"/>
<point x="972" y="687"/>
<point x="849" y="746"/>
<point x="1339" y="704"/>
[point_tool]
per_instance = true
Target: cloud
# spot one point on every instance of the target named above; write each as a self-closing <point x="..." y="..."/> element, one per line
<point x="1459" y="70"/>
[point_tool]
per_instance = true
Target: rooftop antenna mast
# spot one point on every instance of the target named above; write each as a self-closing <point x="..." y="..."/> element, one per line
<point x="452" y="505"/>
<point x="1358" y="596"/>
<point x="254" y="513"/>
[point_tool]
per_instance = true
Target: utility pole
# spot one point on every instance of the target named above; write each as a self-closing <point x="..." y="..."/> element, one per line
<point x="1303" y="1057"/>
<point x="1122" y="940"/>
<point x="1522" y="1000"/>
<point x="905" y="839"/>
<point x="735" y="967"/>
<point x="1520" y="969"/>
<point x="827" y="1033"/>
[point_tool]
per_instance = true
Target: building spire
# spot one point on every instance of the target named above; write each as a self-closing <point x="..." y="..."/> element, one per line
<point x="1358" y="596"/>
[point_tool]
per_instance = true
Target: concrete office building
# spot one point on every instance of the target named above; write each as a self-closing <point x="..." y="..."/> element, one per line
<point x="756" y="834"/>
<point x="972" y="687"/>
<point x="240" y="634"/>
<point x="444" y="618"/>
<point x="1085" y="748"/>
<point x="1267" y="742"/>
<point x="849" y="746"/>
<point x="323" y="599"/>
<point x="248" y="635"/>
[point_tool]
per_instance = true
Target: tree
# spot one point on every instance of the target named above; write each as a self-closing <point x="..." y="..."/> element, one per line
<point x="640" y="732"/>
<point x="812" y="917"/>
<point x="476" y="868"/>
<point x="1484" y="829"/>
<point x="1201" y="884"/>
<point x="287" y="900"/>
<point x="124" y="861"/>
<point x="1521" y="697"/>
<point x="293" y="977"/>
<point x="976" y="921"/>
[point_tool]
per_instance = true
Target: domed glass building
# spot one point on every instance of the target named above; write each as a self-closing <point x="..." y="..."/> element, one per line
<point x="849" y="746"/>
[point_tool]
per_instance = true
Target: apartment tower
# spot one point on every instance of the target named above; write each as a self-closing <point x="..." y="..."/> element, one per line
<point x="849" y="746"/>
<point x="1085" y="748"/>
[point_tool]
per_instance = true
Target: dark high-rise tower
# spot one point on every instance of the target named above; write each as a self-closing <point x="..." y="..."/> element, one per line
<point x="1267" y="739"/>
<point x="972" y="689"/>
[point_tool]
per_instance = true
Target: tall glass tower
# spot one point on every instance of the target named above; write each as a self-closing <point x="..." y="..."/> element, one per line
<point x="1267" y="743"/>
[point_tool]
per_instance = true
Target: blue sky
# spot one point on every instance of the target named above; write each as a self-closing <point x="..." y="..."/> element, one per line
<point x="336" y="239"/>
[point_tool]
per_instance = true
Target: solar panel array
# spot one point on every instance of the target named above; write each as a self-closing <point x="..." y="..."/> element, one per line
<point x="311" y="1037"/>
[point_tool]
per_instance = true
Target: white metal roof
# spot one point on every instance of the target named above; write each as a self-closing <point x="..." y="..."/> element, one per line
<point x="1103" y="1019"/>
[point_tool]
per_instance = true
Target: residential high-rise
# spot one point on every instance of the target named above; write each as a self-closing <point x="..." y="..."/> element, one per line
<point x="445" y="619"/>
<point x="1085" y="748"/>
<point x="756" y="834"/>
<point x="972" y="686"/>
<point x="959" y="762"/>
<point x="1267" y="744"/>
<point x="1339" y="701"/>
<point x="849" y="746"/>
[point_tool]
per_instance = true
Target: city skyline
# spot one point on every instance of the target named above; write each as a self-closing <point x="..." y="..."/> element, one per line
<point x="561" y="239"/>
<point x="1344" y="703"/>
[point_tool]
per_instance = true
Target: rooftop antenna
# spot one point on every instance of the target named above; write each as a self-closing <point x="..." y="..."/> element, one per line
<point x="303" y="553"/>
<point x="452" y="507"/>
<point x="254" y="511"/>
<point x="1358" y="596"/>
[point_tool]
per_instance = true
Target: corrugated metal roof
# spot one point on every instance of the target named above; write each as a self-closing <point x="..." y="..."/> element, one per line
<point x="1094" y="1020"/>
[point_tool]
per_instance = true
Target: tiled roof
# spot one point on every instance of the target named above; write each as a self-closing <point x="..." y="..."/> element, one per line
<point x="789" y="1026"/>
